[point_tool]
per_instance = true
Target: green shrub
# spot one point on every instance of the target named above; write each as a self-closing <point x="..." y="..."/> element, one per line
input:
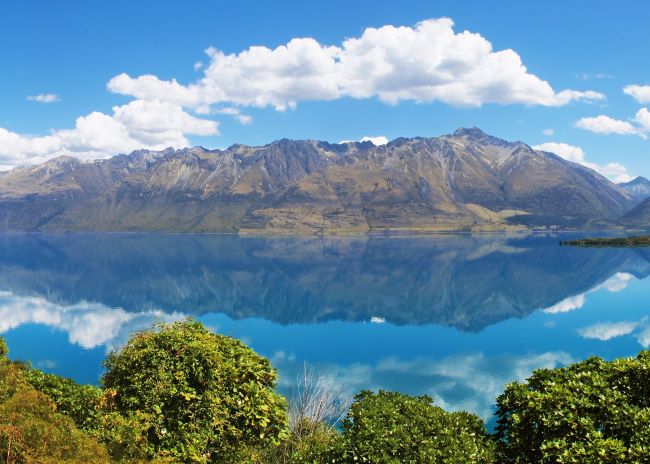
<point x="306" y="444"/>
<point x="202" y="396"/>
<point x="590" y="412"/>
<point x="31" y="431"/>
<point x="80" y="402"/>
<point x="388" y="427"/>
<point x="178" y="393"/>
<point x="126" y="437"/>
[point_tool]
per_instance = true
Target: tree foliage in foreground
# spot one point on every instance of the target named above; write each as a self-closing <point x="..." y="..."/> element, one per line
<point x="32" y="431"/>
<point x="197" y="396"/>
<point x="394" y="428"/>
<point x="80" y="402"/>
<point x="178" y="393"/>
<point x="590" y="412"/>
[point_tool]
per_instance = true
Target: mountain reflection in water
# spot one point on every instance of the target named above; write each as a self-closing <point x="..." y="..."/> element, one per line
<point x="452" y="316"/>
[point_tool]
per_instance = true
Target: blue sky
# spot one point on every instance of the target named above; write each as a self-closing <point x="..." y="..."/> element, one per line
<point x="84" y="61"/>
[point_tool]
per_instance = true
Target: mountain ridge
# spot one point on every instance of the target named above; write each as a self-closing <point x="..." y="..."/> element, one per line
<point x="467" y="180"/>
<point x="638" y="188"/>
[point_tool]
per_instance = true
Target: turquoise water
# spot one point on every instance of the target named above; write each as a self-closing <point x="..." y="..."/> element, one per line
<point x="454" y="317"/>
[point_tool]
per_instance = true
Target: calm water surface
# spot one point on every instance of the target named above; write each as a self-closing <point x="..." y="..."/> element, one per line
<point x="454" y="317"/>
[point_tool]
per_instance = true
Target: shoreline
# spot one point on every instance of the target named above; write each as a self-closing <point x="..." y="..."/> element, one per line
<point x="386" y="233"/>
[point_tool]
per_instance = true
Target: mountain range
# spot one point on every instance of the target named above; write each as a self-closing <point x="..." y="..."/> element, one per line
<point x="467" y="180"/>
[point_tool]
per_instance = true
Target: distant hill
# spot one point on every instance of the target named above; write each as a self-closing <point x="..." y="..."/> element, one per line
<point x="639" y="217"/>
<point x="467" y="180"/>
<point x="638" y="189"/>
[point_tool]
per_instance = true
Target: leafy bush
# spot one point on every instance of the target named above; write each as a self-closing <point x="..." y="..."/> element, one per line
<point x="299" y="446"/>
<point x="178" y="393"/>
<point x="590" y="412"/>
<point x="201" y="397"/>
<point x="390" y="427"/>
<point x="31" y="431"/>
<point x="126" y="437"/>
<point x="80" y="402"/>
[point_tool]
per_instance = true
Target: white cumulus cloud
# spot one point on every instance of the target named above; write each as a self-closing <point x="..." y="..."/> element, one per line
<point x="564" y="150"/>
<point x="616" y="172"/>
<point x="425" y="63"/>
<point x="602" y="124"/>
<point x="640" y="93"/>
<point x="139" y="124"/>
<point x="378" y="140"/>
<point x="156" y="123"/>
<point x="149" y="87"/>
<point x="643" y="119"/>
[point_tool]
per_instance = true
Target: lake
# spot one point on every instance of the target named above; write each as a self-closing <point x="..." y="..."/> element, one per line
<point x="453" y="316"/>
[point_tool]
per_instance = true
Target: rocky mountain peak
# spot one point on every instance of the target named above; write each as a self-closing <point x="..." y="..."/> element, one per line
<point x="55" y="166"/>
<point x="470" y="132"/>
<point x="476" y="135"/>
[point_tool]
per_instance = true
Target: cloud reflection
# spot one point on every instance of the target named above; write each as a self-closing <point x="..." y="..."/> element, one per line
<point x="608" y="330"/>
<point x="614" y="284"/>
<point x="469" y="381"/>
<point x="568" y="304"/>
<point x="88" y="324"/>
<point x="643" y="337"/>
<point x="465" y="282"/>
<point x="605" y="331"/>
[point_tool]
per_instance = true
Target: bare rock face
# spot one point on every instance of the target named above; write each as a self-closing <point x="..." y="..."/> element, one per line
<point x="467" y="180"/>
